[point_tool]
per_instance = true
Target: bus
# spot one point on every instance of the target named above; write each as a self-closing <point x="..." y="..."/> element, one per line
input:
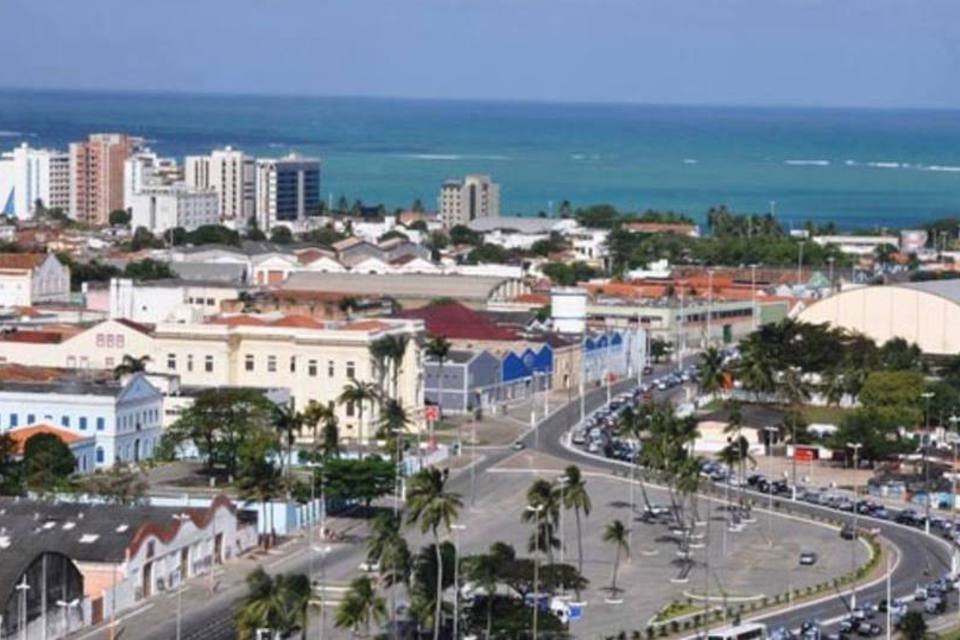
<point x="747" y="631"/>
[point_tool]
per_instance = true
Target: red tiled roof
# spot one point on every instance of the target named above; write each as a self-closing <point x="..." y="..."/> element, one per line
<point x="32" y="336"/>
<point x="20" y="435"/>
<point x="237" y="321"/>
<point x="303" y="322"/>
<point x="24" y="373"/>
<point x="21" y="260"/>
<point x="136" y="326"/>
<point x="365" y="325"/>
<point x="533" y="298"/>
<point x="455" y="321"/>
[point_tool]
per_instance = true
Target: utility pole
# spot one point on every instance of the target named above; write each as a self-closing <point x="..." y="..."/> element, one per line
<point x="856" y="511"/>
<point x="924" y="441"/>
<point x="753" y="293"/>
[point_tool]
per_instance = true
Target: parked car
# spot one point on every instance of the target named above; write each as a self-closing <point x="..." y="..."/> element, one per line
<point x="869" y="629"/>
<point x="808" y="559"/>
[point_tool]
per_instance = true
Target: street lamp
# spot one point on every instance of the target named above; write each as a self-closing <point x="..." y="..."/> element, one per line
<point x="23" y="588"/>
<point x="753" y="293"/>
<point x="323" y="551"/>
<point x="709" y="306"/>
<point x="457" y="528"/>
<point x="926" y="395"/>
<point x="563" y="481"/>
<point x="181" y="577"/>
<point x="856" y="509"/>
<point x="536" y="509"/>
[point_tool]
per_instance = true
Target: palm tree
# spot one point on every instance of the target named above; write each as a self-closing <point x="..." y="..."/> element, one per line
<point x="755" y="369"/>
<point x="739" y="446"/>
<point x="360" y="606"/>
<point x="712" y="374"/>
<point x="331" y="436"/>
<point x="616" y="533"/>
<point x="431" y="505"/>
<point x="438" y="348"/>
<point x="388" y="548"/>
<point x="130" y="365"/>
<point x="576" y="497"/>
<point x="485" y="570"/>
<point x="313" y="416"/>
<point x="358" y="393"/>
<point x="288" y="422"/>
<point x="279" y="604"/>
<point x="258" y="480"/>
<point x="396" y="350"/>
<point x="543" y="509"/>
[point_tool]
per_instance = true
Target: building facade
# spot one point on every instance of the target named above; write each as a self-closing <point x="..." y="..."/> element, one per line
<point x="288" y="189"/>
<point x="124" y="418"/>
<point x="96" y="175"/>
<point x="232" y="175"/>
<point x="39" y="176"/>
<point x="29" y="278"/>
<point x="161" y="208"/>
<point x="475" y="196"/>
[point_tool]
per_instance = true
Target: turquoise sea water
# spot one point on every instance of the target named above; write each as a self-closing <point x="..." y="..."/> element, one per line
<point x="859" y="168"/>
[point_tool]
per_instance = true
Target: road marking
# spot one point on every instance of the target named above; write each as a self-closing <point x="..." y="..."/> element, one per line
<point x="121" y="618"/>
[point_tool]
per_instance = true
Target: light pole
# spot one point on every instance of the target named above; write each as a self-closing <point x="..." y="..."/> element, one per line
<point x="753" y="293"/>
<point x="856" y="509"/>
<point x="65" y="607"/>
<point x="709" y="307"/>
<point x="398" y="487"/>
<point x="181" y="576"/>
<point x="536" y="564"/>
<point x="831" y="260"/>
<point x="23" y="588"/>
<point x="457" y="528"/>
<point x="926" y="395"/>
<point x="562" y="481"/>
<point x="323" y="551"/>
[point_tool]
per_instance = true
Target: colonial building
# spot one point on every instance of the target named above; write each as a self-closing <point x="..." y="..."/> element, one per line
<point x="29" y="278"/>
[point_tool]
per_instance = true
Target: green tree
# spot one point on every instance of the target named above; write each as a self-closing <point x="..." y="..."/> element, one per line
<point x="438" y="348"/>
<point x="431" y="506"/>
<point x="659" y="349"/>
<point x="129" y="365"/>
<point x="913" y="626"/>
<point x="11" y="469"/>
<point x="148" y="269"/>
<point x="279" y="604"/>
<point x="575" y="496"/>
<point x="712" y="371"/>
<point x="117" y="485"/>
<point x="361" y="606"/>
<point x="461" y="234"/>
<point x="48" y="463"/>
<point x="220" y="421"/>
<point x="119" y="218"/>
<point x="259" y="479"/>
<point x="281" y="234"/>
<point x="358" y="394"/>
<point x="602" y="216"/>
<point x="288" y="423"/>
<point x="616" y="534"/>
<point x="362" y="480"/>
<point x="895" y="394"/>
<point x="897" y="354"/>
<point x="213" y="234"/>
<point x="143" y="239"/>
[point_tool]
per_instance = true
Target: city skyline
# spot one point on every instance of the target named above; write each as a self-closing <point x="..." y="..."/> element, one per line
<point x="738" y="53"/>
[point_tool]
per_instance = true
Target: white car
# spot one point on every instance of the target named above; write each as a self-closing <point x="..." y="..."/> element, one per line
<point x="369" y="567"/>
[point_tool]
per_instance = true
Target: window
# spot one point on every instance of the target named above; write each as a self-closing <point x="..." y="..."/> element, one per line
<point x="208" y="364"/>
<point x="83" y="423"/>
<point x="210" y="302"/>
<point x="350" y="409"/>
<point x="248" y="362"/>
<point x="65" y="421"/>
<point x="172" y="361"/>
<point x="312" y="368"/>
<point x="190" y="362"/>
<point x="293" y="364"/>
<point x="14" y="419"/>
<point x="100" y="424"/>
<point x="272" y="364"/>
<point x="100" y="455"/>
<point x="31" y="418"/>
<point x="330" y="368"/>
<point x="351" y="370"/>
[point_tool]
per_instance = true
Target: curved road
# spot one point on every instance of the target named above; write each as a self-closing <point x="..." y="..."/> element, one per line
<point x="923" y="557"/>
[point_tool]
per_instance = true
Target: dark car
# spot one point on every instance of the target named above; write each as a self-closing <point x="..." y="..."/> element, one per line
<point x="869" y="629"/>
<point x="847" y="532"/>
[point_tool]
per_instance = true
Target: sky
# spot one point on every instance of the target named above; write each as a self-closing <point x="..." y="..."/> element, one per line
<point x="874" y="53"/>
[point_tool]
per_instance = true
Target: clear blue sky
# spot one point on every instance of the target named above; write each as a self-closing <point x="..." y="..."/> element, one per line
<point x="800" y="52"/>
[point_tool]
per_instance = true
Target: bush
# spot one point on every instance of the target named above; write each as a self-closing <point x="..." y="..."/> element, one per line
<point x="649" y="633"/>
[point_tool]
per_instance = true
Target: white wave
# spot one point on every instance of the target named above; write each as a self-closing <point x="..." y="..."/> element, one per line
<point x="850" y="163"/>
<point x="807" y="163"/>
<point x="942" y="167"/>
<point x="15" y="134"/>
<point x="455" y="156"/>
<point x="577" y="156"/>
<point x="276" y="145"/>
<point x="884" y="165"/>
<point x="690" y="161"/>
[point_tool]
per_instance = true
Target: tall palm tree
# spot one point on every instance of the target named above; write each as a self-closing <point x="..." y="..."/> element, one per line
<point x="576" y="497"/>
<point x="313" y="416"/>
<point x="432" y="506"/>
<point x="396" y="350"/>
<point x="360" y="606"/>
<point x="288" y="423"/>
<point x="130" y="365"/>
<point x="438" y="348"/>
<point x="485" y="570"/>
<point x="388" y="548"/>
<point x="380" y="354"/>
<point x="739" y="447"/>
<point x="358" y="393"/>
<point x="543" y="501"/>
<point x="712" y="374"/>
<point x="616" y="533"/>
<point x="279" y="604"/>
<point x="755" y="368"/>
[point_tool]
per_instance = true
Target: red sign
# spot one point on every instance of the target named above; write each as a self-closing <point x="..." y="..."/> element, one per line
<point x="805" y="454"/>
<point x="431" y="413"/>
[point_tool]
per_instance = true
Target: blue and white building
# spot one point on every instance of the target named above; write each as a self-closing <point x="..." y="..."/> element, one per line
<point x="124" y="418"/>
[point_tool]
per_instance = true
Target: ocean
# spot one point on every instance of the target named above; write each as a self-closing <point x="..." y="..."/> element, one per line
<point x="860" y="168"/>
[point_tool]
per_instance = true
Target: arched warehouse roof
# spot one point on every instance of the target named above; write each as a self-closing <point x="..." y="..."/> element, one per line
<point x="927" y="313"/>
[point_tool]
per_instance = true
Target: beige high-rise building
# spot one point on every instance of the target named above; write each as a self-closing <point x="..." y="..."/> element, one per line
<point x="96" y="175"/>
<point x="475" y="196"/>
<point x="232" y="174"/>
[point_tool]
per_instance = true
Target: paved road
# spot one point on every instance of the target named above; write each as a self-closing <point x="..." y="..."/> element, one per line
<point x="923" y="558"/>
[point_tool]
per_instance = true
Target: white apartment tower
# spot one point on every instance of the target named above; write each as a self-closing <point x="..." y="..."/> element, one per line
<point x="475" y="196"/>
<point x="37" y="175"/>
<point x="232" y="174"/>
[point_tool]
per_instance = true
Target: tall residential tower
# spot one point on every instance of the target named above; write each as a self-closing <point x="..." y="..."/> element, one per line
<point x="475" y="196"/>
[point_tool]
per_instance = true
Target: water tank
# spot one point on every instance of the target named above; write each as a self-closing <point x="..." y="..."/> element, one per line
<point x="568" y="309"/>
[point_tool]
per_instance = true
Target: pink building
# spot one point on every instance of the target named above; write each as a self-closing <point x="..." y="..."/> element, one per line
<point x="96" y="175"/>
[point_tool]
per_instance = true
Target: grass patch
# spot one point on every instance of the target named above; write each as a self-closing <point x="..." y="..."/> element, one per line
<point x="676" y="609"/>
<point x="825" y="415"/>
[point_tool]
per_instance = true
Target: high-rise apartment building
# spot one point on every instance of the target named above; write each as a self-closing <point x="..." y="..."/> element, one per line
<point x="96" y="175"/>
<point x="232" y="174"/>
<point x="475" y="196"/>
<point x="145" y="169"/>
<point x="288" y="189"/>
<point x="32" y="177"/>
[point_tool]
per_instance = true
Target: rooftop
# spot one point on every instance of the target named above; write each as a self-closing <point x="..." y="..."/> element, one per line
<point x="425" y="286"/>
<point x="21" y="260"/>
<point x="455" y="321"/>
<point x="20" y="435"/>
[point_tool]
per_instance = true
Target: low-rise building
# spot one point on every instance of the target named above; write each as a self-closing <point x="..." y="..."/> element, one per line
<point x="465" y="381"/>
<point x="29" y="278"/>
<point x="161" y="208"/>
<point x="83" y="448"/>
<point x="123" y="417"/>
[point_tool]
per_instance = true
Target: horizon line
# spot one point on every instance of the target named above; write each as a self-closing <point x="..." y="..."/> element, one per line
<point x="505" y="101"/>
